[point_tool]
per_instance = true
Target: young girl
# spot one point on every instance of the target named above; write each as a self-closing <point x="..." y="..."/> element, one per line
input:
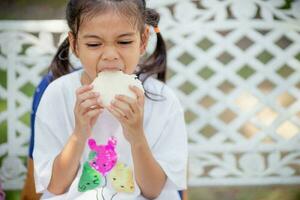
<point x="132" y="149"/>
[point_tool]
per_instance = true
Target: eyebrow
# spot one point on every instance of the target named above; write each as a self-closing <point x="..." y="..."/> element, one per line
<point x="97" y="37"/>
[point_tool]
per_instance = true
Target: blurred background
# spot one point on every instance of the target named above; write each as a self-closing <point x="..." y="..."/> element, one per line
<point x="235" y="65"/>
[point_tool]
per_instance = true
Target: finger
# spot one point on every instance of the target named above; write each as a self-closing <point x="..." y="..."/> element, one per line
<point x="128" y="100"/>
<point x="87" y="95"/>
<point x="139" y="94"/>
<point x="83" y="89"/>
<point x="88" y="104"/>
<point x="116" y="113"/>
<point x="112" y="106"/>
<point x="123" y="107"/>
<point x="100" y="102"/>
<point x="92" y="113"/>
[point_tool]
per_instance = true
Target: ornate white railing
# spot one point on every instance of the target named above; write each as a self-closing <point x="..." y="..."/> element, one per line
<point x="234" y="65"/>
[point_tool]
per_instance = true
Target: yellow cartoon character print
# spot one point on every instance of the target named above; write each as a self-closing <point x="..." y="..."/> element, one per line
<point x="121" y="178"/>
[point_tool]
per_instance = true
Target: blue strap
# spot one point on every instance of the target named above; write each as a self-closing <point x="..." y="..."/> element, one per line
<point x="36" y="100"/>
<point x="180" y="193"/>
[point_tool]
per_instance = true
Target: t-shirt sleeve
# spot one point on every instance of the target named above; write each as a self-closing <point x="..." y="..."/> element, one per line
<point x="49" y="138"/>
<point x="46" y="149"/>
<point x="170" y="150"/>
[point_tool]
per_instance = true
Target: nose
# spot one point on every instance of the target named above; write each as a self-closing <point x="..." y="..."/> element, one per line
<point x="110" y="53"/>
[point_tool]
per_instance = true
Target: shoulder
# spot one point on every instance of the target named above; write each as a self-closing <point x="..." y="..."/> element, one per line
<point x="63" y="86"/>
<point x="60" y="90"/>
<point x="66" y="81"/>
<point x="158" y="87"/>
<point x="162" y="94"/>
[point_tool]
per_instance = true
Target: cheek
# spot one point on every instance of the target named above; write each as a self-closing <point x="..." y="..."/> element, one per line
<point x="89" y="60"/>
<point x="131" y="59"/>
<point x="88" y="55"/>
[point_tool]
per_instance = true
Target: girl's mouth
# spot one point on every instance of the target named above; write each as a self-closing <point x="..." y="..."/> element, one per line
<point x="110" y="69"/>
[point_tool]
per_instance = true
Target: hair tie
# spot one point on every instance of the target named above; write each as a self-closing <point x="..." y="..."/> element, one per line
<point x="156" y="29"/>
<point x="61" y="57"/>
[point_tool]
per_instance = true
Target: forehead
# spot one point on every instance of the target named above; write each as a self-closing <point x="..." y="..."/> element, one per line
<point x="109" y="23"/>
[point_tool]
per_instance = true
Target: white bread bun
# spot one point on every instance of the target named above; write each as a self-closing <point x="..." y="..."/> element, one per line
<point x="112" y="83"/>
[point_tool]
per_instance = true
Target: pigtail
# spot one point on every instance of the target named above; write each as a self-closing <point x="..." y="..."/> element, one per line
<point x="157" y="62"/>
<point x="160" y="57"/>
<point x="60" y="64"/>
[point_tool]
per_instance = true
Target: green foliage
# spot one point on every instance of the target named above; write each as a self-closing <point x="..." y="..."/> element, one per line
<point x="13" y="194"/>
<point x="288" y="4"/>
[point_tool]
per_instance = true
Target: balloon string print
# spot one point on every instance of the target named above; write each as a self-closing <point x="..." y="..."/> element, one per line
<point x="102" y="189"/>
<point x="102" y="160"/>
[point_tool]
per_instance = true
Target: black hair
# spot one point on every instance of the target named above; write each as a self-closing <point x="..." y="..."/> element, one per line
<point x="79" y="10"/>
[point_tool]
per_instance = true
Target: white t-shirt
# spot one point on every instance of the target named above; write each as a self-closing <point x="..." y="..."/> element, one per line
<point x="164" y="129"/>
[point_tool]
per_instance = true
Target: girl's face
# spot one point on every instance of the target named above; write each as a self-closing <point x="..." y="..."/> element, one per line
<point x="108" y="42"/>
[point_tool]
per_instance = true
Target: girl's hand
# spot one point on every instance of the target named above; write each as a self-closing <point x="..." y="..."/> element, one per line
<point x="87" y="109"/>
<point x="130" y="113"/>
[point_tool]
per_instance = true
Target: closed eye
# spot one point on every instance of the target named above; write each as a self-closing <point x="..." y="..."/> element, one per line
<point x="125" y="42"/>
<point x="93" y="45"/>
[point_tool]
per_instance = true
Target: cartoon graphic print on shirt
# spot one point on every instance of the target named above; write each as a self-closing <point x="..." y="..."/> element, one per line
<point x="121" y="178"/>
<point x="106" y="156"/>
<point x="90" y="178"/>
<point x="101" y="158"/>
<point x="102" y="162"/>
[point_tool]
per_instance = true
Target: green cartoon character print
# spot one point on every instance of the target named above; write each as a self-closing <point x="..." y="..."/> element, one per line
<point x="90" y="178"/>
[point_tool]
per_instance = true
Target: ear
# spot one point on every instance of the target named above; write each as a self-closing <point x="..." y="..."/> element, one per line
<point x="144" y="40"/>
<point x="92" y="144"/>
<point x="72" y="42"/>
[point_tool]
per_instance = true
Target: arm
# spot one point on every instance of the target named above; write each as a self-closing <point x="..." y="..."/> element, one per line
<point x="149" y="175"/>
<point x="66" y="164"/>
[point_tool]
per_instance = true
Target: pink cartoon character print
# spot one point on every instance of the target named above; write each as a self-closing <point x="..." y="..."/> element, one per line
<point x="106" y="156"/>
